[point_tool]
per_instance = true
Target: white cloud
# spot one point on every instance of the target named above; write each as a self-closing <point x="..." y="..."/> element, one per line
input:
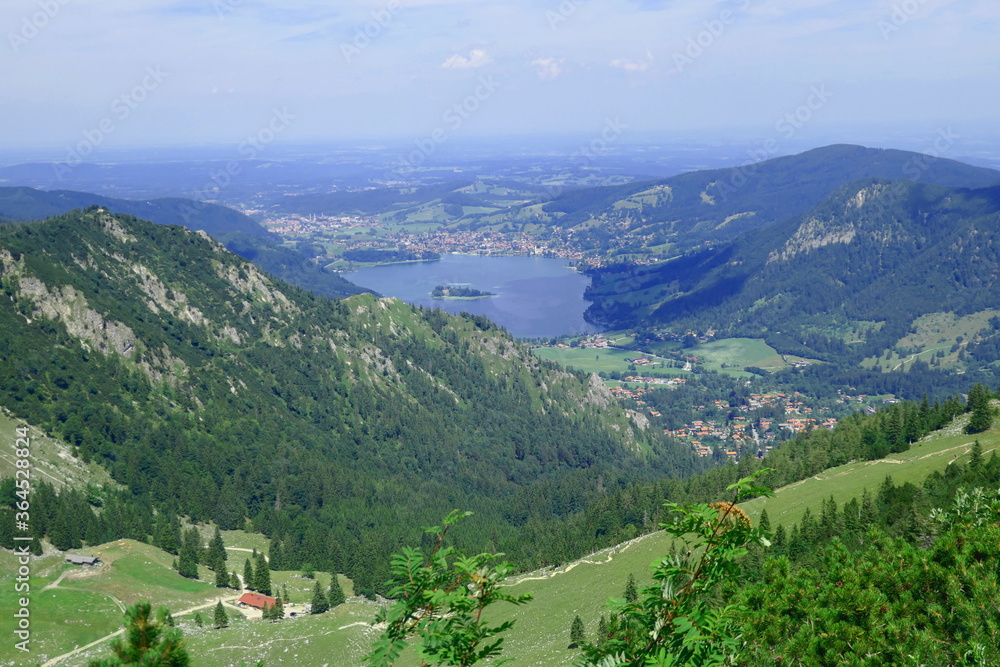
<point x="548" y="69"/>
<point x="634" y="65"/>
<point x="476" y="58"/>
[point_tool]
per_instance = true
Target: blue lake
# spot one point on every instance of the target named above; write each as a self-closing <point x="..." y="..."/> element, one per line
<point x="535" y="296"/>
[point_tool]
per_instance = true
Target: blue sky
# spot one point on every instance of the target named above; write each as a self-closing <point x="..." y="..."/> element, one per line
<point x="162" y="72"/>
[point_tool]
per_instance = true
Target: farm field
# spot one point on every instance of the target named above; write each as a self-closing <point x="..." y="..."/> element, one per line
<point x="591" y="360"/>
<point x="732" y="355"/>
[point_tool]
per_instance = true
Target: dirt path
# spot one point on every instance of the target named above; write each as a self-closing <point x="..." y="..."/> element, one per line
<point x="584" y="561"/>
<point x="60" y="658"/>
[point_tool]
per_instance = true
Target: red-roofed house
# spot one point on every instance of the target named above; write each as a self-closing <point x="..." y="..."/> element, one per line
<point x="256" y="600"/>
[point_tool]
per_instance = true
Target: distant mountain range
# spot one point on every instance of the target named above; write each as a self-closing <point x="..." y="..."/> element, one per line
<point x="874" y="251"/>
<point x="720" y="204"/>
<point x="238" y="232"/>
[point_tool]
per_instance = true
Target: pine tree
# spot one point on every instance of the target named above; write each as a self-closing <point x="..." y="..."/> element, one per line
<point x="577" y="635"/>
<point x="602" y="631"/>
<point x="216" y="556"/>
<point x="765" y="521"/>
<point x="187" y="561"/>
<point x="147" y="641"/>
<point x="221" y="618"/>
<point x="631" y="592"/>
<point x="198" y="620"/>
<point x="982" y="414"/>
<point x="249" y="582"/>
<point x="976" y="458"/>
<point x="262" y="583"/>
<point x="336" y="594"/>
<point x="277" y="610"/>
<point x="234" y="581"/>
<point x="274" y="556"/>
<point x="222" y="578"/>
<point x="319" y="602"/>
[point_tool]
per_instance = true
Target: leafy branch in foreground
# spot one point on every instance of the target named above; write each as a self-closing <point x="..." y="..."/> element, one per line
<point x="440" y="598"/>
<point x="673" y="623"/>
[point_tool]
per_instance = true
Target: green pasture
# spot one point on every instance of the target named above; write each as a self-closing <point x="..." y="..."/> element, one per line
<point x="51" y="460"/>
<point x="592" y="360"/>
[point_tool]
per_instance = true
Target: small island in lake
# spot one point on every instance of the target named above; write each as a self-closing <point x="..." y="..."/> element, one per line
<point x="458" y="292"/>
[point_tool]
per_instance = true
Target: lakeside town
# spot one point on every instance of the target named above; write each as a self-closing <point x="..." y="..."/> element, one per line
<point x="370" y="233"/>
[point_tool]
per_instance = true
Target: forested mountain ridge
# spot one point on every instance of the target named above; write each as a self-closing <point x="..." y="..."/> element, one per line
<point x="338" y="428"/>
<point x="238" y="232"/>
<point x="877" y="252"/>
<point x="720" y="204"/>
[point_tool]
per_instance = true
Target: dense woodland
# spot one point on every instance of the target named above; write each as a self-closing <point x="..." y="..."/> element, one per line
<point x="339" y="456"/>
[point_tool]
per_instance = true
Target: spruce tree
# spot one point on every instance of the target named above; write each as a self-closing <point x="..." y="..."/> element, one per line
<point x="982" y="414"/>
<point x="249" y="581"/>
<point x="262" y="583"/>
<point x="576" y="633"/>
<point x="216" y="556"/>
<point x="222" y="578"/>
<point x="602" y="631"/>
<point x="187" y="561"/>
<point x="765" y="521"/>
<point x="631" y="592"/>
<point x="336" y="594"/>
<point x="976" y="457"/>
<point x="277" y="610"/>
<point x="221" y="619"/>
<point x="319" y="602"/>
<point x="198" y="620"/>
<point x="234" y="581"/>
<point x="274" y="556"/>
<point x="147" y="641"/>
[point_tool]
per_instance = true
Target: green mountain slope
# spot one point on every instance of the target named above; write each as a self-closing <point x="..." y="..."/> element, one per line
<point x="720" y="204"/>
<point x="880" y="253"/>
<point x="339" y="428"/>
<point x="238" y="232"/>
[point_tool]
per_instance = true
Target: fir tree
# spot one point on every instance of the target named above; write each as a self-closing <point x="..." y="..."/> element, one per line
<point x="222" y="578"/>
<point x="319" y="602"/>
<point x="576" y="633"/>
<point x="277" y="610"/>
<point x="976" y="457"/>
<point x="249" y="582"/>
<point x="336" y="595"/>
<point x="221" y="618"/>
<point x="274" y="556"/>
<point x="147" y="641"/>
<point x="216" y="556"/>
<point x="631" y="592"/>
<point x="602" y="631"/>
<point x="187" y="561"/>
<point x="982" y="414"/>
<point x="262" y="583"/>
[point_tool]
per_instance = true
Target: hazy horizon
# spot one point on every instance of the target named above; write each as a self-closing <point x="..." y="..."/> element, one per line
<point x="160" y="73"/>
